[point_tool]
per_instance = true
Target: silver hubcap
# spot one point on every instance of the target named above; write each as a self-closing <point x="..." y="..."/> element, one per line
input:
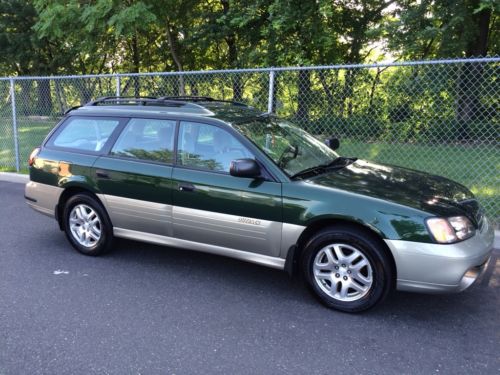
<point x="342" y="272"/>
<point x="85" y="225"/>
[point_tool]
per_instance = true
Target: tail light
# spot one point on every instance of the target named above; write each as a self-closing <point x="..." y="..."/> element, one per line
<point x="33" y="156"/>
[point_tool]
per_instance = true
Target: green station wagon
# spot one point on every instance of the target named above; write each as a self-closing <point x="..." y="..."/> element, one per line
<point x="223" y="178"/>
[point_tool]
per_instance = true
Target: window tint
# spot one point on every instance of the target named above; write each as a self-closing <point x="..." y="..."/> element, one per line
<point x="88" y="134"/>
<point x="146" y="139"/>
<point x="208" y="147"/>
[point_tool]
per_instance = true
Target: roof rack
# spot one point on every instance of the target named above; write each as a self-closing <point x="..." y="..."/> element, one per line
<point x="187" y="98"/>
<point x="122" y="100"/>
<point x="71" y="109"/>
<point x="188" y="104"/>
<point x="174" y="105"/>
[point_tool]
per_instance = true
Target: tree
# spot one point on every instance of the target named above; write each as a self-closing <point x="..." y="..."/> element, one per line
<point x="444" y="28"/>
<point x="23" y="53"/>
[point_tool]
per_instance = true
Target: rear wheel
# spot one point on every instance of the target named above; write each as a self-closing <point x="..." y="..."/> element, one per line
<point x="87" y="225"/>
<point x="347" y="268"/>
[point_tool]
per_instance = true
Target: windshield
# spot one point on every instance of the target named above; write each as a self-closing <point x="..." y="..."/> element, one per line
<point x="293" y="149"/>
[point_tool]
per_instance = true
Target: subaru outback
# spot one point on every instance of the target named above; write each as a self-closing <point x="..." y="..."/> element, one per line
<point x="224" y="178"/>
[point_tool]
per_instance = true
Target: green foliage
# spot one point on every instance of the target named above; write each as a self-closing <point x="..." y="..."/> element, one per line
<point x="444" y="28"/>
<point x="102" y="36"/>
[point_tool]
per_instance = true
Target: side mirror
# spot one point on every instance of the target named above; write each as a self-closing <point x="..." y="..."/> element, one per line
<point x="244" y="168"/>
<point x="333" y="143"/>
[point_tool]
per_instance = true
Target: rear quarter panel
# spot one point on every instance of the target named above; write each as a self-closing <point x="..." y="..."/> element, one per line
<point x="64" y="169"/>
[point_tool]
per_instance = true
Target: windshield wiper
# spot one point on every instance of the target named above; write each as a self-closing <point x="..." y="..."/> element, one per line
<point x="317" y="169"/>
<point x="336" y="163"/>
<point x="341" y="161"/>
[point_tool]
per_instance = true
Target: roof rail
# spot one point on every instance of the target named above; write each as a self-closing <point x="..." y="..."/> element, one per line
<point x="122" y="99"/>
<point x="187" y="98"/>
<point x="184" y="103"/>
<point x="71" y="109"/>
<point x="150" y="101"/>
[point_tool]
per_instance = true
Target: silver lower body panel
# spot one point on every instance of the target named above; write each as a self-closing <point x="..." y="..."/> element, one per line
<point x="440" y="268"/>
<point x="264" y="260"/>
<point x="42" y="197"/>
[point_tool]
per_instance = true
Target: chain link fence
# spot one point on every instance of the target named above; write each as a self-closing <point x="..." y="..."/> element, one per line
<point x="437" y="116"/>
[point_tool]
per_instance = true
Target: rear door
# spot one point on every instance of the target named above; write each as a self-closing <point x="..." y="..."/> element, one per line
<point x="135" y="178"/>
<point x="213" y="207"/>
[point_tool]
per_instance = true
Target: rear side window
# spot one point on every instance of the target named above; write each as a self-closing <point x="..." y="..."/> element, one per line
<point x="146" y="139"/>
<point x="87" y="134"/>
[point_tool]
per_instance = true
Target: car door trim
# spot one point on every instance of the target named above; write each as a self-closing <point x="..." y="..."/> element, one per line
<point x="238" y="230"/>
<point x="155" y="218"/>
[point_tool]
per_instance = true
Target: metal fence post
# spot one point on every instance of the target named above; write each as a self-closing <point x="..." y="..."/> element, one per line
<point x="118" y="88"/>
<point x="271" y="92"/>
<point x="14" y="122"/>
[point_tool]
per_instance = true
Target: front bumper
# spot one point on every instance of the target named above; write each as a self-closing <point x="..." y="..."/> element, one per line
<point x="438" y="268"/>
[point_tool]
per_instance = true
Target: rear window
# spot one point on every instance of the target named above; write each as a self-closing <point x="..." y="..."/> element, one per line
<point x="87" y="134"/>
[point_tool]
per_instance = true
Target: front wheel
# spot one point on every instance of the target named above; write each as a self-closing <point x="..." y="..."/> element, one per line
<point x="347" y="268"/>
<point x="87" y="225"/>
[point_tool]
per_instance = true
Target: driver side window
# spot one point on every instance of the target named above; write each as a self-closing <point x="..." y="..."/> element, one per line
<point x="208" y="147"/>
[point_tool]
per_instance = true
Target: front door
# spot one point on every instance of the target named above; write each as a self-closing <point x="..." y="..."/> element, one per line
<point x="135" y="178"/>
<point x="211" y="206"/>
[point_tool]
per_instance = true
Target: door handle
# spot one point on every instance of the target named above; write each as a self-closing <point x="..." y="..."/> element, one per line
<point x="102" y="174"/>
<point x="186" y="187"/>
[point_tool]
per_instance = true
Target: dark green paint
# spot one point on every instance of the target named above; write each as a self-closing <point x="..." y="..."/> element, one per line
<point x="305" y="203"/>
<point x="407" y="187"/>
<point x="64" y="169"/>
<point x="135" y="179"/>
<point x="219" y="192"/>
<point x="392" y="201"/>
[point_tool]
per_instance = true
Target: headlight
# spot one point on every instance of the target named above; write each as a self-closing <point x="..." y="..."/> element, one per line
<point x="449" y="230"/>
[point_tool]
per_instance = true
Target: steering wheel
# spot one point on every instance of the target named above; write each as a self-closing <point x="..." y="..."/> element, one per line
<point x="294" y="150"/>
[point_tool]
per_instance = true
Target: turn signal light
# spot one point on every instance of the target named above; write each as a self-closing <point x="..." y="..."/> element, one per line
<point x="33" y="156"/>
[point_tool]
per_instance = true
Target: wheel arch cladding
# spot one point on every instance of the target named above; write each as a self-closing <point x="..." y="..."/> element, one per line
<point x="336" y="223"/>
<point x="68" y="193"/>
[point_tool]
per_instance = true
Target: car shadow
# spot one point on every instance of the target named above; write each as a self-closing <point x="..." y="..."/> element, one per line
<point x="249" y="278"/>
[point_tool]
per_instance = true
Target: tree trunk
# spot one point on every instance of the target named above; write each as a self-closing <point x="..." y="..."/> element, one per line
<point x="376" y="81"/>
<point x="347" y="93"/>
<point x="304" y="96"/>
<point x="174" y="51"/>
<point x="60" y="96"/>
<point x="468" y="104"/>
<point x="137" y="63"/>
<point x="27" y="95"/>
<point x="85" y="91"/>
<point x="232" y="58"/>
<point x="44" y="97"/>
<point x="330" y="98"/>
<point x="233" y="63"/>
<point x="237" y="87"/>
<point x="471" y="76"/>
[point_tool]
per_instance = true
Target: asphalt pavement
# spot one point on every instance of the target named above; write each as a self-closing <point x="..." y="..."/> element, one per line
<point x="147" y="309"/>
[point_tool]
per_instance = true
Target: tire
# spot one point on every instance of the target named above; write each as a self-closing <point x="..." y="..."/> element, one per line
<point x="347" y="268"/>
<point x="88" y="236"/>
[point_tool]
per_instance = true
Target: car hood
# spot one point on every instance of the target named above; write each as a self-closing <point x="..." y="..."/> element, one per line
<point x="434" y="194"/>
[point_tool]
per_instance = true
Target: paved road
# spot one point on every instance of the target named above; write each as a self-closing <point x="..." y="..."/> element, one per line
<point x="148" y="309"/>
